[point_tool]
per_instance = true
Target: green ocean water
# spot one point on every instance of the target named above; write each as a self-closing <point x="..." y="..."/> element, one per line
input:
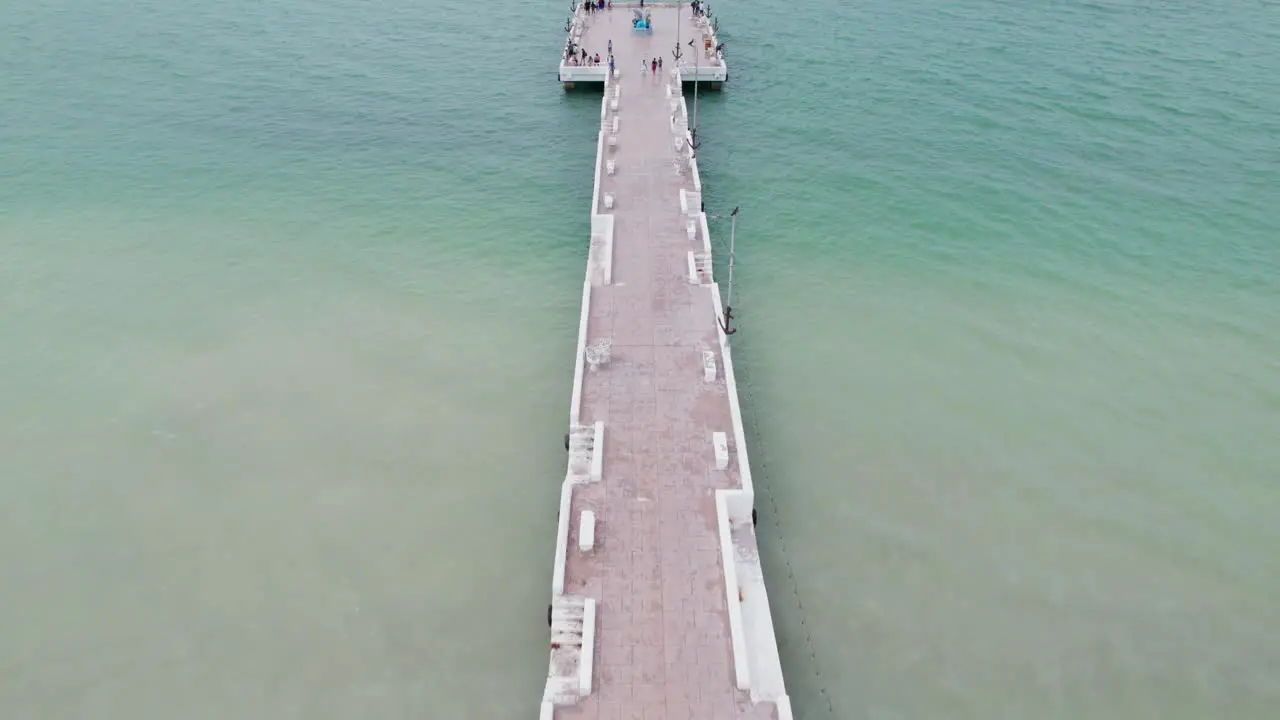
<point x="288" y="302"/>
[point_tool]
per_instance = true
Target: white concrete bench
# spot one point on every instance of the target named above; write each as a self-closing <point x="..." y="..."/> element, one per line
<point x="613" y="141"/>
<point x="613" y="104"/>
<point x="708" y="366"/>
<point x="587" y="531"/>
<point x="610" y="167"/>
<point x="720" y="443"/>
<point x="692" y="229"/>
<point x="608" y="201"/>
<point x="615" y="124"/>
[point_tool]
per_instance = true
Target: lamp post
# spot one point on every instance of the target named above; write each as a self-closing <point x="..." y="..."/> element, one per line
<point x="728" y="303"/>
<point x="697" y="70"/>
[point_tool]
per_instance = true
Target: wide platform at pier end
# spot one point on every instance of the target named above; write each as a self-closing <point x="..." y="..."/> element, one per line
<point x="669" y="24"/>
<point x="659" y="609"/>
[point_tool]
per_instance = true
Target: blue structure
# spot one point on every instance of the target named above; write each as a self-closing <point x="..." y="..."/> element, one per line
<point x="640" y="23"/>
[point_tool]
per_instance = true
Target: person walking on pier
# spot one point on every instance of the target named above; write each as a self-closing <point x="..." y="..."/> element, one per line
<point x="610" y="46"/>
<point x="653" y="66"/>
<point x="659" y="63"/>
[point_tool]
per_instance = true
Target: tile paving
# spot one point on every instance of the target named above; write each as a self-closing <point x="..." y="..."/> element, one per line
<point x="662" y="647"/>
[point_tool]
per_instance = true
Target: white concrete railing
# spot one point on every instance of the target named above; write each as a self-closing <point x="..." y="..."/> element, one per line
<point x="586" y="658"/>
<point x="575" y="408"/>
<point x="583" y="73"/>
<point x="595" y="187"/>
<point x="739" y="435"/>
<point x="575" y="402"/>
<point x="601" y="264"/>
<point x="703" y="72"/>
<point x="735" y="410"/>
<point x="562" y="538"/>
<point x="575" y="399"/>
<point x="734" y="507"/>
<point x="597" y="452"/>
<point x="737" y="632"/>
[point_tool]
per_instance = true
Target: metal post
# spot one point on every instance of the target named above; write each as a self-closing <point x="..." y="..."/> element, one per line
<point x="733" y="233"/>
<point x="677" y="53"/>
<point x="726" y="324"/>
<point x="697" y="70"/>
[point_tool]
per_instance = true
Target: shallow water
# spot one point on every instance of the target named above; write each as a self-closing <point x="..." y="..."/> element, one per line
<point x="288" y="296"/>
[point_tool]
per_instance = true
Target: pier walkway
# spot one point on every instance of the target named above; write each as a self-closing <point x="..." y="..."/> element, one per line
<point x="659" y="609"/>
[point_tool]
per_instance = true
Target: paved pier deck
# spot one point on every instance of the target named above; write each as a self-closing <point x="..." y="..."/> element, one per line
<point x="659" y="608"/>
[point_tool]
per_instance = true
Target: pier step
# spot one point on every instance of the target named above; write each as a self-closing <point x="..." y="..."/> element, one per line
<point x="567" y="614"/>
<point x="700" y="268"/>
<point x="582" y="440"/>
<point x="572" y="638"/>
<point x="586" y="453"/>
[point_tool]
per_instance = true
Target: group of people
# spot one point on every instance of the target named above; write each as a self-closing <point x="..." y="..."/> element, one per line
<point x="574" y="54"/>
<point x="652" y="66"/>
<point x="597" y="5"/>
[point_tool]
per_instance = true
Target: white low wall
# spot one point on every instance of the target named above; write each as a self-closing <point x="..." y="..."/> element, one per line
<point x="597" y="452"/>
<point x="575" y="399"/>
<point x="595" y="185"/>
<point x="737" y="632"/>
<point x="586" y="656"/>
<point x="735" y="411"/>
<point x="562" y="538"/>
<point x="703" y="72"/>
<point x="602" y="230"/>
<point x="584" y="73"/>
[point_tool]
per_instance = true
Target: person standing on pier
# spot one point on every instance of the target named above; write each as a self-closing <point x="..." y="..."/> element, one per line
<point x="659" y="63"/>
<point x="653" y="66"/>
<point x="610" y="46"/>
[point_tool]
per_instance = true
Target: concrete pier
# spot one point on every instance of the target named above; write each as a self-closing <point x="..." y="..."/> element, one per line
<point x="672" y="23"/>
<point x="659" y="608"/>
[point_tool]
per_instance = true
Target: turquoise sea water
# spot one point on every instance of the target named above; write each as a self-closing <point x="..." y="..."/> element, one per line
<point x="288" y="298"/>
